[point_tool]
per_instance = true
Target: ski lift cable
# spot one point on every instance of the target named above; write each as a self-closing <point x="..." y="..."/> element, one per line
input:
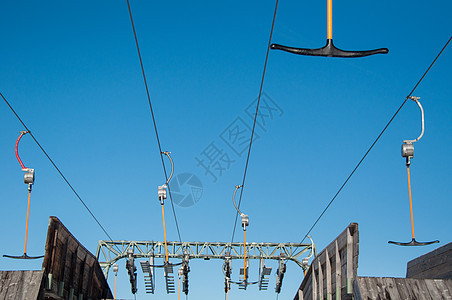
<point x="56" y="168"/>
<point x="376" y="140"/>
<point x="255" y="118"/>
<point x="153" y="117"/>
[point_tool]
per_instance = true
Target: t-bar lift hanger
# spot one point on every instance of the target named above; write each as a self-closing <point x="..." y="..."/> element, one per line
<point x="29" y="179"/>
<point x="408" y="153"/>
<point x="162" y="197"/>
<point x="329" y="49"/>
<point x="245" y="223"/>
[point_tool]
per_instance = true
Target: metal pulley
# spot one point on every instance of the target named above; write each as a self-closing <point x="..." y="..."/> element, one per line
<point x="162" y="193"/>
<point x="29" y="176"/>
<point x="115" y="269"/>
<point x="245" y="221"/>
<point x="407" y="150"/>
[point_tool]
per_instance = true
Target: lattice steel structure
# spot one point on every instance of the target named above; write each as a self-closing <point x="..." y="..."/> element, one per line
<point x="109" y="252"/>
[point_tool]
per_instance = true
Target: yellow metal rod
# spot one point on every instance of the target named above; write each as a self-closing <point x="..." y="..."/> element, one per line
<point x="164" y="233"/>
<point x="411" y="202"/>
<point x="330" y="19"/>
<point x="116" y="279"/>
<point x="244" y="255"/>
<point x="26" y="227"/>
<point x="179" y="290"/>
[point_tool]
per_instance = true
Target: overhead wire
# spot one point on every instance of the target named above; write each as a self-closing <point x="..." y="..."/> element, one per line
<point x="56" y="168"/>
<point x="375" y="141"/>
<point x="153" y="117"/>
<point x="255" y="118"/>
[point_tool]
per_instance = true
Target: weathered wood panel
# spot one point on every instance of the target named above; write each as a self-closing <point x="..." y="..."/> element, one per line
<point x="70" y="270"/>
<point x="19" y="285"/>
<point x="386" y="288"/>
<point x="433" y="265"/>
<point x="332" y="272"/>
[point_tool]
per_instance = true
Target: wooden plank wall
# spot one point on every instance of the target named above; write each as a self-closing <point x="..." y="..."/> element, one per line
<point x="332" y="272"/>
<point x="19" y="285"/>
<point x="433" y="265"/>
<point x="383" y="288"/>
<point x="71" y="271"/>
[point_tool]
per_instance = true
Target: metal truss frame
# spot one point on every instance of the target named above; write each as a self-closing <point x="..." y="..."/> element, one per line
<point x="109" y="252"/>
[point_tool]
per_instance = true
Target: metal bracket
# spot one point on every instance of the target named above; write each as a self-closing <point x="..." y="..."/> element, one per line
<point x="148" y="271"/>
<point x="407" y="146"/>
<point x="245" y="219"/>
<point x="280" y="273"/>
<point x="132" y="270"/>
<point x="264" y="273"/>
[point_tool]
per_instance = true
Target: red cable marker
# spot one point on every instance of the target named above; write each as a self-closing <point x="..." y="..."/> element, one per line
<point x="29" y="179"/>
<point x="22" y="133"/>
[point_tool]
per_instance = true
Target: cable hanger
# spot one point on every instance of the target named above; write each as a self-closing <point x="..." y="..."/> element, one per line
<point x="408" y="153"/>
<point x="162" y="196"/>
<point x="245" y="223"/>
<point x="29" y="179"/>
<point x="152" y="115"/>
<point x="329" y="49"/>
<point x="256" y="114"/>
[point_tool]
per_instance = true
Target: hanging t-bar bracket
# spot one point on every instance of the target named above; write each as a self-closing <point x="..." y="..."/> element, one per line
<point x="329" y="49"/>
<point x="29" y="179"/>
<point x="408" y="153"/>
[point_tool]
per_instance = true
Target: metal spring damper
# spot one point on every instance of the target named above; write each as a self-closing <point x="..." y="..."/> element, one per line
<point x="408" y="153"/>
<point x="329" y="49"/>
<point x="29" y="179"/>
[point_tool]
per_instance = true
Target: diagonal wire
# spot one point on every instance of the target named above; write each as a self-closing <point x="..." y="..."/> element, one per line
<point x="153" y="117"/>
<point x="255" y="118"/>
<point x="376" y="140"/>
<point x="55" y="166"/>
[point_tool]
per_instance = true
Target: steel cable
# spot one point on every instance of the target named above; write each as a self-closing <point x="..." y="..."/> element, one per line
<point x="255" y="118"/>
<point x="153" y="117"/>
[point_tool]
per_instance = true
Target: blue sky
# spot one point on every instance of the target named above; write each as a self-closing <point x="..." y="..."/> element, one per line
<point x="71" y="71"/>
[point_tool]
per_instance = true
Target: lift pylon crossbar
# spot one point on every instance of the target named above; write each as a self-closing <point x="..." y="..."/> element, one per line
<point x="107" y="251"/>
